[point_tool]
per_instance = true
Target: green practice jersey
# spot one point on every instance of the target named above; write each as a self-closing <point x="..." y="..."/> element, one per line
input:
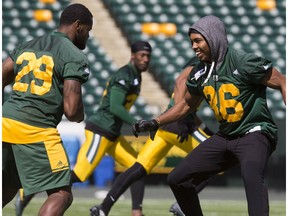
<point x="127" y="80"/>
<point x="235" y="93"/>
<point x="41" y="66"/>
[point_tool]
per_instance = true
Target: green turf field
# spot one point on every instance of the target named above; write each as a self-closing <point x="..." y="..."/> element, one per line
<point x="152" y="207"/>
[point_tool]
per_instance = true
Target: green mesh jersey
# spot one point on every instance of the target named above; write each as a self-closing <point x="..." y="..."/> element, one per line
<point x="127" y="80"/>
<point x="235" y="93"/>
<point x="41" y="66"/>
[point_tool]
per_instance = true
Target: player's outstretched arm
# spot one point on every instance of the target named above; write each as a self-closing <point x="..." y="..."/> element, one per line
<point x="180" y="87"/>
<point x="274" y="79"/>
<point x="178" y="111"/>
<point x="185" y="106"/>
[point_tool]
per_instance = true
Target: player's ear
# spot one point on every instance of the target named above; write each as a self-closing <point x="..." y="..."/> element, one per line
<point x="132" y="56"/>
<point x="78" y="25"/>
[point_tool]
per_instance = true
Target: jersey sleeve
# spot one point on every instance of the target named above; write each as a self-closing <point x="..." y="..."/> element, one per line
<point x="13" y="54"/>
<point x="117" y="100"/>
<point x="255" y="68"/>
<point x="77" y="71"/>
<point x="193" y="84"/>
<point x="121" y="81"/>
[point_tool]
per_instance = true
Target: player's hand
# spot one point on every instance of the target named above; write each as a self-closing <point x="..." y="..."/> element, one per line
<point x="182" y="136"/>
<point x="144" y="125"/>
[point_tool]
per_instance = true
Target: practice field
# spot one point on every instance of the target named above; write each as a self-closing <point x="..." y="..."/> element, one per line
<point x="215" y="202"/>
<point x="153" y="208"/>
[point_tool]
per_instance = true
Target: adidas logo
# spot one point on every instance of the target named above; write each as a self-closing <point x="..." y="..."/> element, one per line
<point x="59" y="164"/>
<point x="236" y="72"/>
<point x="86" y="70"/>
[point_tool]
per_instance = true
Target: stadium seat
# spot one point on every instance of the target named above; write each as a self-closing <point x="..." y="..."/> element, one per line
<point x="266" y="4"/>
<point x="48" y="1"/>
<point x="43" y="15"/>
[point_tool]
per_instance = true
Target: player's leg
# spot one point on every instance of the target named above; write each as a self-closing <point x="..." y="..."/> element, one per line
<point x="50" y="171"/>
<point x="10" y="179"/>
<point x="253" y="151"/>
<point x="120" y="185"/>
<point x="151" y="153"/>
<point x="58" y="202"/>
<point x="125" y="154"/>
<point x="122" y="152"/>
<point x="193" y="141"/>
<point x="175" y="208"/>
<point x="137" y="193"/>
<point x="197" y="137"/>
<point x="202" y="162"/>
<point x="21" y="201"/>
<point x="154" y="151"/>
<point x="89" y="155"/>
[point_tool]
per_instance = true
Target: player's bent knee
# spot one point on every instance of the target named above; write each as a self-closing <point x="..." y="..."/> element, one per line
<point x="171" y="180"/>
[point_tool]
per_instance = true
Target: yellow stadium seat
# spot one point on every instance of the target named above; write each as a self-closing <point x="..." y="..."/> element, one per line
<point x="266" y="4"/>
<point x="48" y="1"/>
<point x="43" y="15"/>
<point x="151" y="28"/>
<point x="168" y="29"/>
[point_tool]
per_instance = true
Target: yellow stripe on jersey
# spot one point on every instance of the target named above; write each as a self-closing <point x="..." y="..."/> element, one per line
<point x="20" y="133"/>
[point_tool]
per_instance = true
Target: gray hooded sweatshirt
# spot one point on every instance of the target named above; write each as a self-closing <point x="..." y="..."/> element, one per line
<point x="213" y="30"/>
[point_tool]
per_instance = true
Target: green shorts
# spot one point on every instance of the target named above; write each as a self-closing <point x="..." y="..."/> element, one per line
<point x="40" y="165"/>
<point x="35" y="168"/>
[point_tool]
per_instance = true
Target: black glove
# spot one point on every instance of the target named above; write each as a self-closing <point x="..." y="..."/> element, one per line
<point x="185" y="128"/>
<point x="144" y="125"/>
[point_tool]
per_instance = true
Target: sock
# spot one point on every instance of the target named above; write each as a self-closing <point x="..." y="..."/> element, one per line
<point x="122" y="182"/>
<point x="137" y="193"/>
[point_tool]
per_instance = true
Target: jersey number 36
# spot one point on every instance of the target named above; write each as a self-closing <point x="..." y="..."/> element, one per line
<point x="230" y="109"/>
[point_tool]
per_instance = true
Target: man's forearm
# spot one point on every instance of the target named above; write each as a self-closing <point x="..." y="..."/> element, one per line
<point x="176" y="112"/>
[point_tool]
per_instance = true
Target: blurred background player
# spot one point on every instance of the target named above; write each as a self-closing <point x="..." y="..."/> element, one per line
<point x="47" y="73"/>
<point x="234" y="84"/>
<point x="185" y="134"/>
<point x="102" y="129"/>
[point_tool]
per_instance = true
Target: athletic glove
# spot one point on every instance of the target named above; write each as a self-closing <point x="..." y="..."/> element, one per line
<point x="144" y="125"/>
<point x="186" y="128"/>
